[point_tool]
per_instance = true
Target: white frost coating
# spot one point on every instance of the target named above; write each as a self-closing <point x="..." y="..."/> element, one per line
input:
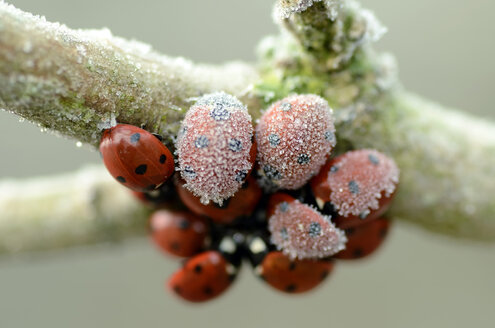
<point x="285" y="8"/>
<point x="294" y="138"/>
<point x="302" y="232"/>
<point x="359" y="179"/>
<point x="213" y="147"/>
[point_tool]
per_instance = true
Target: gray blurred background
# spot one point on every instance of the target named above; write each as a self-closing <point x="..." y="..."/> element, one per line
<point x="445" y="51"/>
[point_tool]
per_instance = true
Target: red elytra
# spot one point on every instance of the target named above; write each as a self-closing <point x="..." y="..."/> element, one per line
<point x="203" y="277"/>
<point x="293" y="276"/>
<point x="360" y="185"/>
<point x="364" y="240"/>
<point x="295" y="137"/>
<point x="180" y="234"/>
<point x="242" y="203"/>
<point x="300" y="231"/>
<point x="135" y="157"/>
<point x="215" y="147"/>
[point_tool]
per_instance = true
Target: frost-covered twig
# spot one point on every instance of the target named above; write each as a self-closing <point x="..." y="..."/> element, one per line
<point x="77" y="82"/>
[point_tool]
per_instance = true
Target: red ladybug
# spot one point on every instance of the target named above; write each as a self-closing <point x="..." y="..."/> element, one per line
<point x="203" y="277"/>
<point x="215" y="147"/>
<point x="178" y="233"/>
<point x="359" y="184"/>
<point x="295" y="137"/>
<point x="135" y="157"/>
<point x="241" y="204"/>
<point x="364" y="239"/>
<point x="300" y="231"/>
<point x="284" y="274"/>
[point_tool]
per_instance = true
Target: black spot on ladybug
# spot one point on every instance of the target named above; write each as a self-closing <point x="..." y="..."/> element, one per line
<point x="235" y="145"/>
<point x="240" y="175"/>
<point x="207" y="290"/>
<point x="141" y="169"/>
<point x="353" y="187"/>
<point x="303" y="159"/>
<point x="274" y="140"/>
<point x="163" y="158"/>
<point x="373" y="159"/>
<point x="285" y="107"/>
<point x="121" y="179"/>
<point x="220" y="113"/>
<point x="324" y="274"/>
<point x="175" y="246"/>
<point x="184" y="224"/>
<point x="334" y="169"/>
<point x="271" y="172"/>
<point x="292" y="266"/>
<point x="135" y="137"/>
<point x="188" y="172"/>
<point x="350" y="231"/>
<point x="329" y="136"/>
<point x="198" y="269"/>
<point x="291" y="288"/>
<point x="358" y="252"/>
<point x="201" y="142"/>
<point x="314" y="229"/>
<point x="224" y="205"/>
<point x="284" y="206"/>
<point x="383" y="232"/>
<point x="177" y="289"/>
<point x="284" y="234"/>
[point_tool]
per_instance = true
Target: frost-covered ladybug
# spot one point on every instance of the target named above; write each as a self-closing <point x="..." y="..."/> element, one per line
<point x="294" y="137"/>
<point x="300" y="231"/>
<point x="178" y="233"/>
<point x="208" y="274"/>
<point x="364" y="239"/>
<point x="136" y="158"/>
<point x="359" y="184"/>
<point x="241" y="204"/>
<point x="215" y="147"/>
<point x="281" y="272"/>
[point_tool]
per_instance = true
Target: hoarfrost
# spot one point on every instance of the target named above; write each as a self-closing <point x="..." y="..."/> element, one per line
<point x="302" y="232"/>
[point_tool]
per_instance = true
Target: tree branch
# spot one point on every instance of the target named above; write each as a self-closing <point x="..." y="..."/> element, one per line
<point x="79" y="82"/>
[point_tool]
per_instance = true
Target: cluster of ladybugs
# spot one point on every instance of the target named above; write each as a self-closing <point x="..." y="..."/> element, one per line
<point x="273" y="196"/>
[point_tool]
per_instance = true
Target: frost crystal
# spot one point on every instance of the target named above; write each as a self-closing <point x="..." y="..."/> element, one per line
<point x="294" y="143"/>
<point x="285" y="8"/>
<point x="302" y="232"/>
<point x="358" y="179"/>
<point x="214" y="147"/>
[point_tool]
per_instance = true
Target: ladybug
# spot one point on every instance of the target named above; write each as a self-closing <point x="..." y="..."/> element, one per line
<point x="208" y="274"/>
<point x="360" y="186"/>
<point x="136" y="158"/>
<point x="364" y="239"/>
<point x="295" y="137"/>
<point x="300" y="231"/>
<point x="285" y="274"/>
<point x="215" y="147"/>
<point x="242" y="203"/>
<point x="178" y="233"/>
